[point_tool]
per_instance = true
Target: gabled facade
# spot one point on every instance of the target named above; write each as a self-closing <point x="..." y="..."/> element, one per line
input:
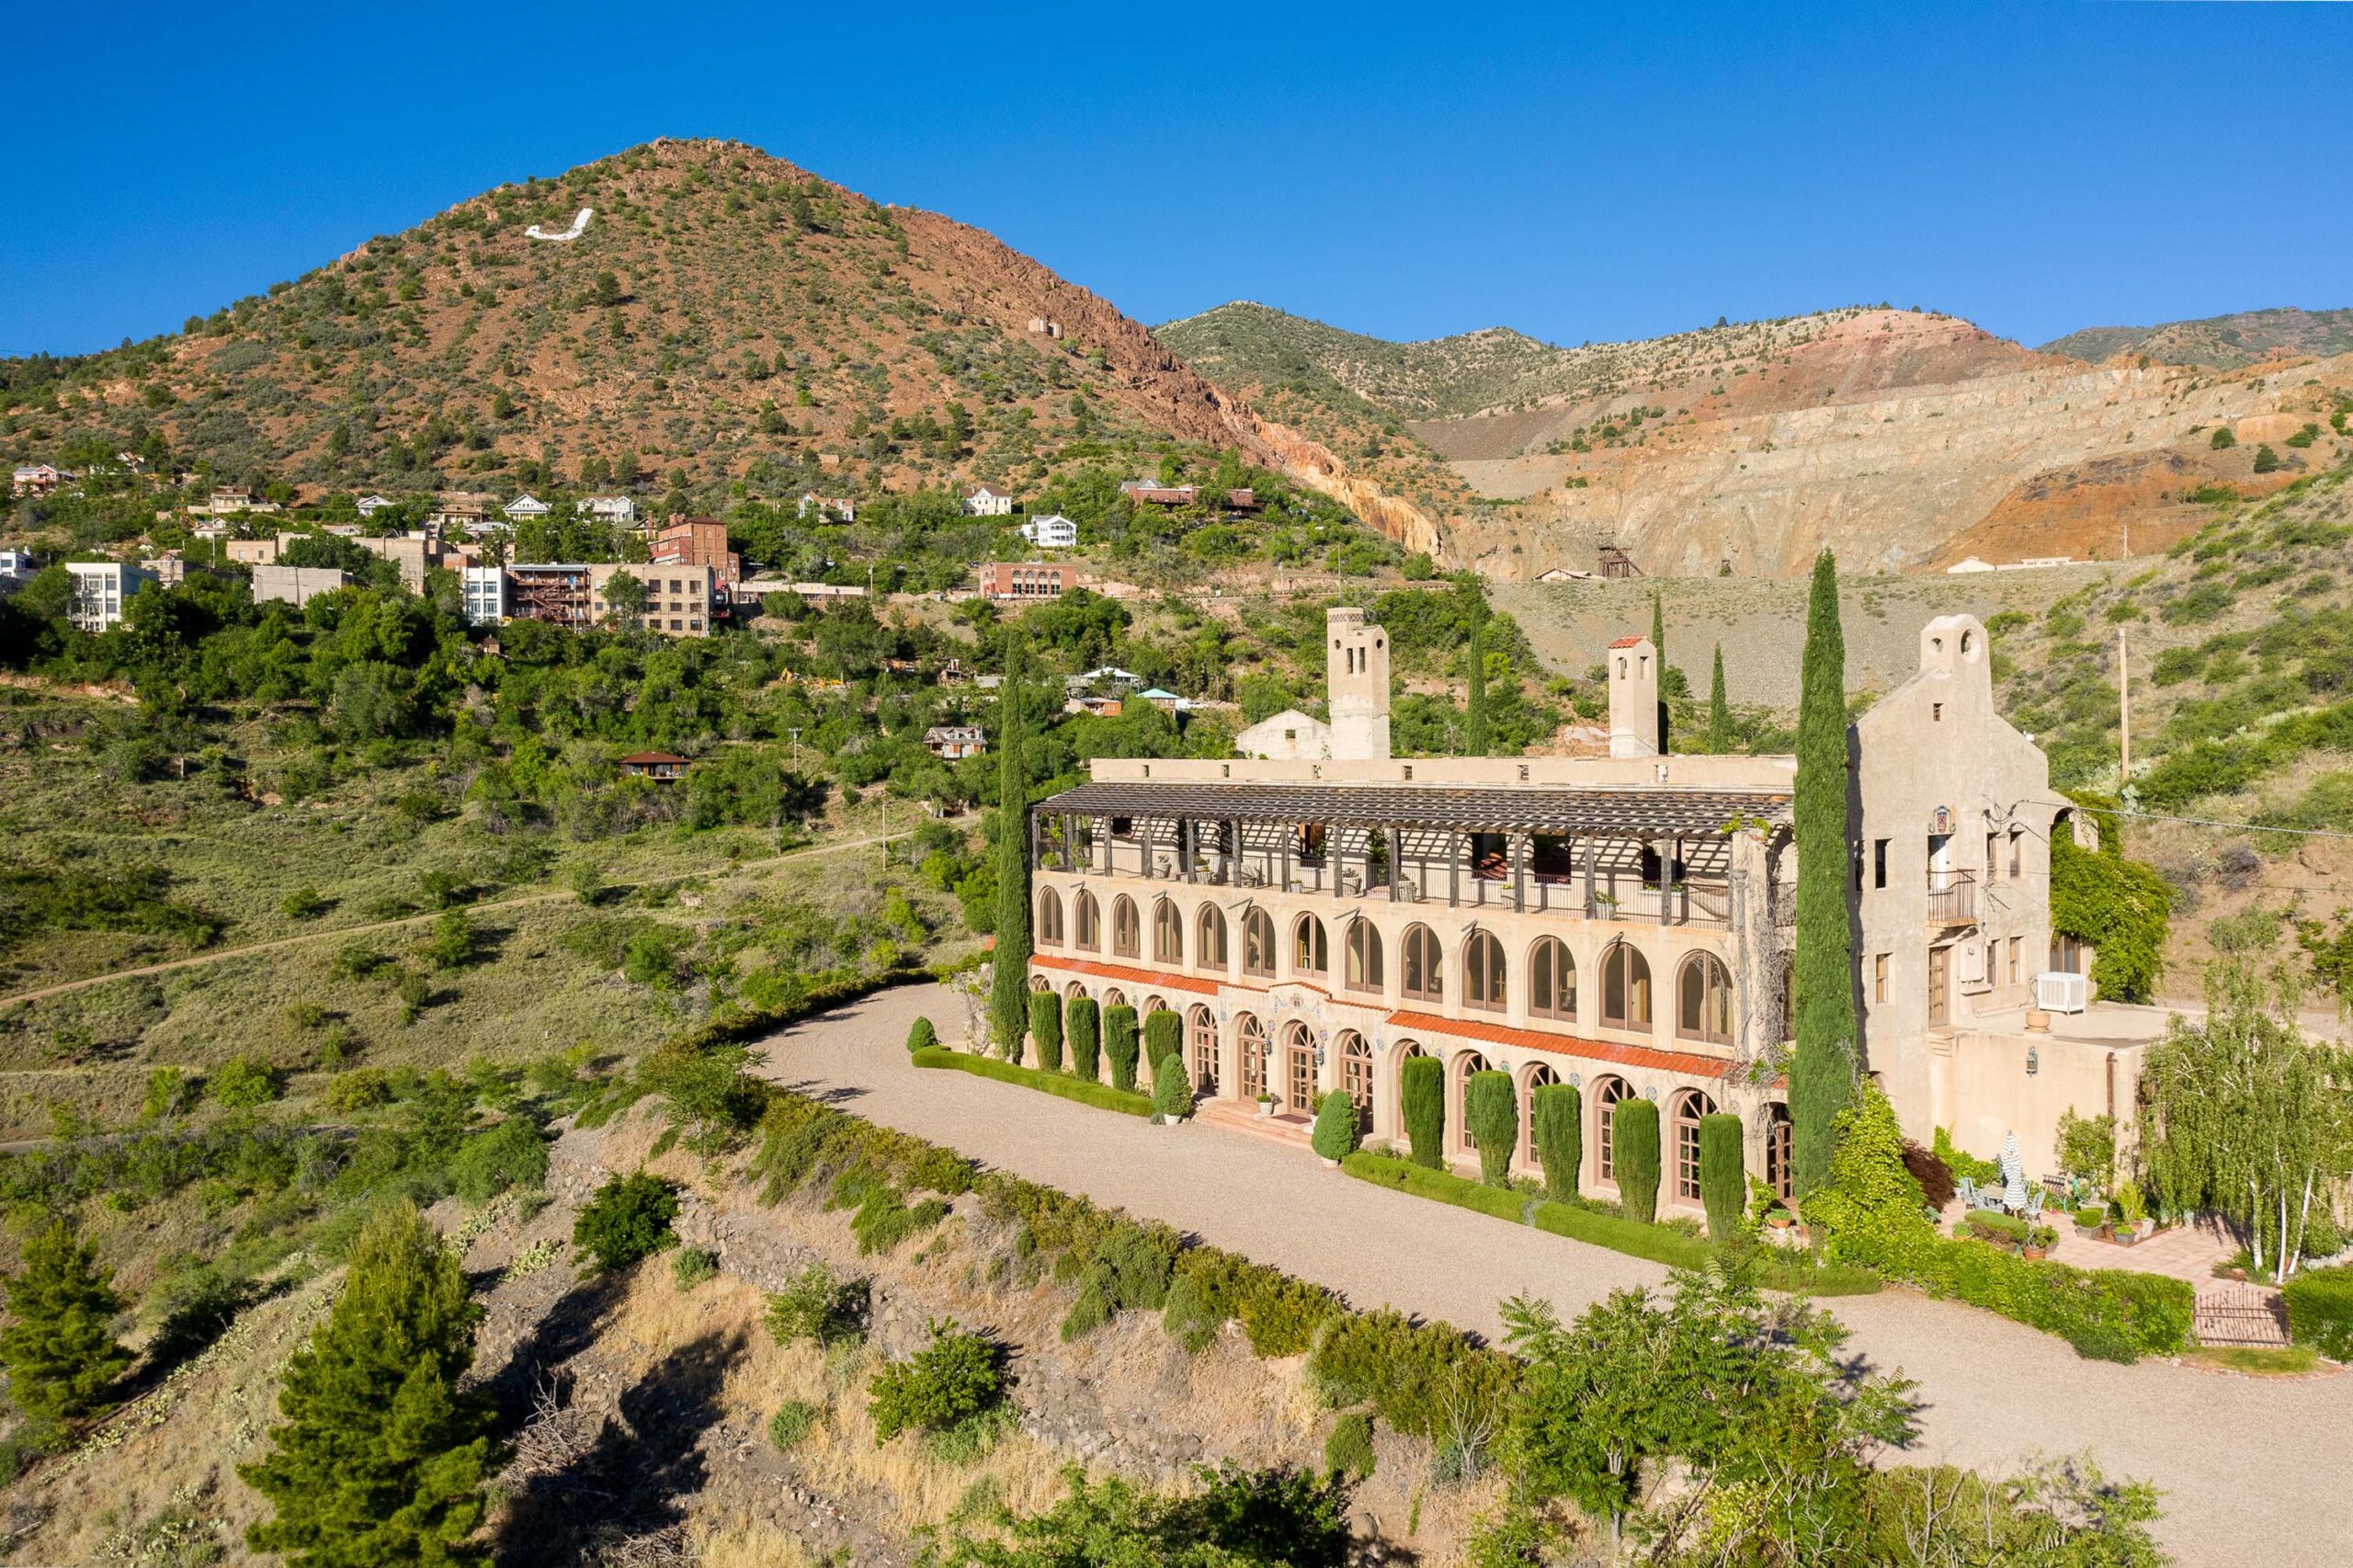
<point x="986" y="501"/>
<point x="1052" y="531"/>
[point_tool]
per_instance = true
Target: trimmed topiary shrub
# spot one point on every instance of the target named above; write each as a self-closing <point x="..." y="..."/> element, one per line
<point x="1634" y="1145"/>
<point x="1082" y="1023"/>
<point x="1558" y="1110"/>
<point x="2320" y="1311"/>
<point x="1335" y="1137"/>
<point x="1046" y="1028"/>
<point x="1119" y="1044"/>
<point x="1492" y="1110"/>
<point x="921" y="1036"/>
<point x="1423" y="1094"/>
<point x="1724" y="1174"/>
<point x="1172" y="1095"/>
<point x="1162" y="1037"/>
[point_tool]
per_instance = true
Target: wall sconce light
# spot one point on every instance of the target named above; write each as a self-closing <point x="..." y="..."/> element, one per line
<point x="2033" y="1061"/>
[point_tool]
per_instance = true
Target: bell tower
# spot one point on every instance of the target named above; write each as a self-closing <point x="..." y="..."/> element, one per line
<point x="1357" y="682"/>
<point x="1634" y="726"/>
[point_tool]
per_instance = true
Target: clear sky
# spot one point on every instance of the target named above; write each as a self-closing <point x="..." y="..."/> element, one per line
<point x="1579" y="173"/>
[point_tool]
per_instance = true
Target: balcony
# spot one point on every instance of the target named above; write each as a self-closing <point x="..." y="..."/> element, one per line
<point x="1952" y="898"/>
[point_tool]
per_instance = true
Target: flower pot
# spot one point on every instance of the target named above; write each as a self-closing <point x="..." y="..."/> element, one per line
<point x="2034" y="1255"/>
<point x="2125" y="1238"/>
<point x="1330" y="1165"/>
<point x="1265" y="1107"/>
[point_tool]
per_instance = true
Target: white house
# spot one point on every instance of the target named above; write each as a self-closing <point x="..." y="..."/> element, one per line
<point x="1052" y="531"/>
<point x="37" y="479"/>
<point x="1287" y="736"/>
<point x="486" y="595"/>
<point x="18" y="563"/>
<point x="371" y="504"/>
<point x="525" y="505"/>
<point x="101" y="589"/>
<point x="609" y="509"/>
<point x="987" y="502"/>
<point x="840" y="509"/>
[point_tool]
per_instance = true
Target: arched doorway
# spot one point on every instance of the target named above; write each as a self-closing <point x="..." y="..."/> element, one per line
<point x="1250" y="1055"/>
<point x="1607" y="1093"/>
<point x="1072" y="991"/>
<point x="1201" y="1040"/>
<point x="1356" y="1077"/>
<point x="1406" y="1052"/>
<point x="1689" y="1107"/>
<point x="1537" y="1076"/>
<point x="1458" y="1100"/>
<point x="1299" y="1071"/>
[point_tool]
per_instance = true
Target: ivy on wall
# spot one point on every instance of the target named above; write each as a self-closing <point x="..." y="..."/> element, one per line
<point x="2122" y="908"/>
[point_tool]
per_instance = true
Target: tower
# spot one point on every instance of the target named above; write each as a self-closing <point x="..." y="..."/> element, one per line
<point x="1357" y="682"/>
<point x="1633" y="697"/>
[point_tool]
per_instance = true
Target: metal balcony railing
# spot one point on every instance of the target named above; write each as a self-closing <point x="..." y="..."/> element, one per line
<point x="1952" y="898"/>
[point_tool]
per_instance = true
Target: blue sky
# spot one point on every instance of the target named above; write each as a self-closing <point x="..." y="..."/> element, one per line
<point x="1577" y="173"/>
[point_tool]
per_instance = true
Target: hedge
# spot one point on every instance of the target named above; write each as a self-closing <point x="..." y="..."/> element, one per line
<point x="1046" y="1028"/>
<point x="1633" y="1148"/>
<point x="1163" y="1036"/>
<point x="1423" y="1089"/>
<point x="1084" y="1090"/>
<point x="1490" y="1108"/>
<point x="2108" y="1314"/>
<point x="1658" y="1243"/>
<point x="1558" y="1110"/>
<point x="1119" y="1044"/>
<point x="1082" y="1026"/>
<point x="2320" y="1311"/>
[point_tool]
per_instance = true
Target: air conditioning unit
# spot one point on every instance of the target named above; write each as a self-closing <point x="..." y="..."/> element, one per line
<point x="2056" y="992"/>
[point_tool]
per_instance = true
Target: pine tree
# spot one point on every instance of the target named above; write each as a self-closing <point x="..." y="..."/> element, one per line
<point x="1822" y="1078"/>
<point x="381" y="1459"/>
<point x="60" y="1355"/>
<point x="1474" y="716"/>
<point x="1009" y="964"/>
<point x="1719" y="709"/>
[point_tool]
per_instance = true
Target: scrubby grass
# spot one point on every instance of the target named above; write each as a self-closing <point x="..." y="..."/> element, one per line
<point x="2255" y="1361"/>
<point x="1080" y="1089"/>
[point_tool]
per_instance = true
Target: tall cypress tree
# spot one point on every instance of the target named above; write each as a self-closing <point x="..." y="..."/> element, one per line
<point x="1658" y="645"/>
<point x="1009" y="964"/>
<point x="1822" y="1078"/>
<point x="382" y="1459"/>
<point x="1719" y="709"/>
<point x="60" y="1355"/>
<point x="1474" y="717"/>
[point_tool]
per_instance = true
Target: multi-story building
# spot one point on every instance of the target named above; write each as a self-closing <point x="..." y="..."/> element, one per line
<point x="1052" y="531"/>
<point x="1026" y="581"/>
<point x="1623" y="924"/>
<point x="696" y="541"/>
<point x="618" y="510"/>
<point x="101" y="590"/>
<point x="987" y="502"/>
<point x="679" y="600"/>
<point x="485" y="588"/>
<point x="297" y="586"/>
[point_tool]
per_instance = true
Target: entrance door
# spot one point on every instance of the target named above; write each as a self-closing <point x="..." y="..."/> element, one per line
<point x="1937" y="968"/>
<point x="1302" y="1079"/>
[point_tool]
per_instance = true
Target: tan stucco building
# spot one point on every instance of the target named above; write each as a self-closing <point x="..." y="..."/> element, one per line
<point x="1621" y="923"/>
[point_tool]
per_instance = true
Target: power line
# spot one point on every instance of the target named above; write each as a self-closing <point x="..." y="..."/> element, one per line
<point x="2209" y="822"/>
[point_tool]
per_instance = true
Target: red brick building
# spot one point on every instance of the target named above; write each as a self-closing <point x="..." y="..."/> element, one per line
<point x="697" y="541"/>
<point x="1024" y="581"/>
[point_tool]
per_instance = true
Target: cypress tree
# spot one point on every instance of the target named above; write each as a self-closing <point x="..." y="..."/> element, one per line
<point x="1082" y="1026"/>
<point x="1558" y="1110"/>
<point x="1009" y="965"/>
<point x="1046" y="1028"/>
<point x="1492" y="1111"/>
<point x="60" y="1355"/>
<point x="1633" y="1148"/>
<point x="1164" y="1036"/>
<point x="1724" y="1174"/>
<point x="1119" y="1044"/>
<point x="1423" y="1094"/>
<point x="1474" y="716"/>
<point x="1719" y="709"/>
<point x="382" y="1459"/>
<point x="1821" y="1076"/>
<point x="1658" y="641"/>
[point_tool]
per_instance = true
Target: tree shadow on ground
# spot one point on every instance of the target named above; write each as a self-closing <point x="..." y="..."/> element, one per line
<point x="639" y="1473"/>
<point x="568" y="1328"/>
<point x="825" y="1094"/>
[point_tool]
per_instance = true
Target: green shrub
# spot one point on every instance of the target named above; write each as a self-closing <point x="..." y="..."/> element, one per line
<point x="957" y="1375"/>
<point x="1349" y="1449"/>
<point x="1558" y="1110"/>
<point x="1130" y="1272"/>
<point x="693" y="1267"/>
<point x="2320" y="1311"/>
<point x="1172" y="1093"/>
<point x="1492" y="1111"/>
<point x="1724" y="1174"/>
<point x="883" y="1217"/>
<point x="1335" y="1137"/>
<point x="793" y="1421"/>
<point x="513" y="1153"/>
<point x="1633" y="1146"/>
<point x="2221" y="438"/>
<point x="1084" y="1091"/>
<point x="243" y="1082"/>
<point x="816" y="1305"/>
<point x="1417" y="1378"/>
<point x="1046" y="1028"/>
<point x="1162" y="1037"/>
<point x="1082" y="1023"/>
<point x="921" y="1036"/>
<point x="1119" y="1045"/>
<point x="1423" y="1092"/>
<point x="1188" y="1317"/>
<point x="1961" y="1162"/>
<point x="1990" y="1225"/>
<point x="627" y="1220"/>
<point x="361" y="1088"/>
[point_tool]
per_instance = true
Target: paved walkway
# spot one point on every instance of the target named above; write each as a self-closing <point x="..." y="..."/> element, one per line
<point x="2250" y="1468"/>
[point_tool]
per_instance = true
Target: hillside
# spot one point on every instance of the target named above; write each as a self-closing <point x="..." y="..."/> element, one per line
<point x="1906" y="440"/>
<point x="2223" y="343"/>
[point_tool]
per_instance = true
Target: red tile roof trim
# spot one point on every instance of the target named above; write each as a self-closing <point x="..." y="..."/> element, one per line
<point x="1120" y="971"/>
<point x="1686" y="1061"/>
<point x="1625" y="643"/>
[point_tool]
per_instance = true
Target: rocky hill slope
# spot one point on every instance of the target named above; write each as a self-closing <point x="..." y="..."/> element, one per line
<point x="2223" y="343"/>
<point x="1906" y="440"/>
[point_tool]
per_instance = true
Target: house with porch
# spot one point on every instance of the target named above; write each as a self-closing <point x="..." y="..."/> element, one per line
<point x="1623" y="923"/>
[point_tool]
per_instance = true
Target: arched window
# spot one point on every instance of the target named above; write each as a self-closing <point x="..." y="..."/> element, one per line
<point x="1422" y="965"/>
<point x="1115" y="997"/>
<point x="1690" y="1106"/>
<point x="1363" y="957"/>
<point x="1704" y="999"/>
<point x="1167" y="934"/>
<point x="1151" y="1004"/>
<point x="1208" y="945"/>
<point x="1311" y="952"/>
<point x="1625" y="987"/>
<point x="1050" y="918"/>
<point x="1552" y="981"/>
<point x="1040" y="983"/>
<point x="1086" y="922"/>
<point x="1535" y="1078"/>
<point x="1356" y="1077"/>
<point x="1606" y="1095"/>
<point x="1258" y="944"/>
<point x="1781" y="1166"/>
<point x="1072" y="991"/>
<point x="1127" y="931"/>
<point x="1482" y="973"/>
<point x="1202" y="1032"/>
<point x="1250" y="1053"/>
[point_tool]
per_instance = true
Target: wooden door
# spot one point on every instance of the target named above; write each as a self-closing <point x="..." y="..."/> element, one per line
<point x="1936" y="976"/>
<point x="1302" y="1080"/>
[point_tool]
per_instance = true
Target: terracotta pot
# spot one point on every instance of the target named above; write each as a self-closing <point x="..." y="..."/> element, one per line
<point x="2034" y="1255"/>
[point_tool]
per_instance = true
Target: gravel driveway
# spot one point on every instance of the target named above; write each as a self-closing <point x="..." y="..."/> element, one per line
<point x="2250" y="1468"/>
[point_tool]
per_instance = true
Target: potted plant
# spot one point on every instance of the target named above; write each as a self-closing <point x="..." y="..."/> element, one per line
<point x="1265" y="1104"/>
<point x="2131" y="1215"/>
<point x="1335" y="1138"/>
<point x="2040" y="1239"/>
<point x="2091" y="1222"/>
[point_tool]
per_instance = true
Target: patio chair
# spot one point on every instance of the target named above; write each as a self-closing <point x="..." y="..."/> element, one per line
<point x="1969" y="1192"/>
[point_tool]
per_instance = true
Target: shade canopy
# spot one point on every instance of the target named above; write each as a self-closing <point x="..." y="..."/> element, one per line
<point x="1528" y="808"/>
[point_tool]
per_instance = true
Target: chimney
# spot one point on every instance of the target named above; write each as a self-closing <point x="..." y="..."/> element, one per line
<point x="1633" y="697"/>
<point x="1357" y="682"/>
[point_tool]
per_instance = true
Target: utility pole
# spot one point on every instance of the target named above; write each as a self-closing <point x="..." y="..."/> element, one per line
<point x="2124" y="711"/>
